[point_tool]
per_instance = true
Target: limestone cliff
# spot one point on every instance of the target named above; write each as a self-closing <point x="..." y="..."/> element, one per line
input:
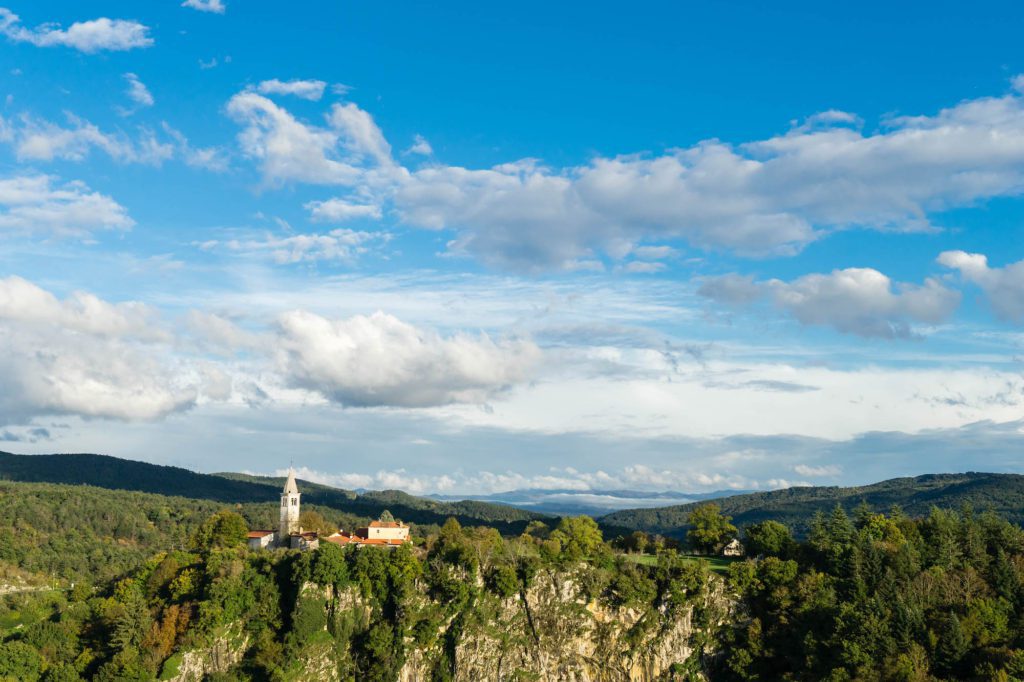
<point x="552" y="632"/>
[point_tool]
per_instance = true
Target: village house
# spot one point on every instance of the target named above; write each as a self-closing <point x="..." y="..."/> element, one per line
<point x="733" y="549"/>
<point x="385" y="532"/>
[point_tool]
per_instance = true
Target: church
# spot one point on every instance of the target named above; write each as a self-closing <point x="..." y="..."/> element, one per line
<point x="385" y="532"/>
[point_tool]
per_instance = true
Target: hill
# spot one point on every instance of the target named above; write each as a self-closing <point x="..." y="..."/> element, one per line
<point x="121" y="474"/>
<point x="1002" y="493"/>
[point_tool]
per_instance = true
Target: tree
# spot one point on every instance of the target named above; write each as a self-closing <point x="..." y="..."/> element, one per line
<point x="19" y="661"/>
<point x="329" y="566"/>
<point x="769" y="538"/>
<point x="709" y="530"/>
<point x="315" y="521"/>
<point x="222" y="530"/>
<point x="952" y="644"/>
<point x="580" y="536"/>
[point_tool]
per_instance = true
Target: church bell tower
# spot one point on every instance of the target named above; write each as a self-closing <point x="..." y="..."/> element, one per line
<point x="289" y="510"/>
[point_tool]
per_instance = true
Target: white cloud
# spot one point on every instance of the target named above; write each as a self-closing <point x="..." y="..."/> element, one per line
<point x="312" y="90"/>
<point x="212" y="159"/>
<point x="35" y="204"/>
<point x="1004" y="286"/>
<point x="337" y="210"/>
<point x="40" y="140"/>
<point x="87" y="36"/>
<point x="138" y="92"/>
<point x="287" y="149"/>
<point x="818" y="471"/>
<point x="360" y="134"/>
<point x="220" y="333"/>
<point x="380" y="360"/>
<point x="340" y="245"/>
<point x="22" y="301"/>
<point x="770" y="196"/>
<point x="642" y="267"/>
<point x="731" y="289"/>
<point x="215" y="6"/>
<point x="82" y="356"/>
<point x="858" y="301"/>
<point x="420" y="146"/>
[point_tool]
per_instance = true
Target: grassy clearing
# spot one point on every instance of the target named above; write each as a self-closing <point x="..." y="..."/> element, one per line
<point x="718" y="564"/>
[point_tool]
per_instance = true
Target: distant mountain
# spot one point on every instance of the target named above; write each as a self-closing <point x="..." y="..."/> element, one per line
<point x="121" y="474"/>
<point x="567" y="502"/>
<point x="1003" y="493"/>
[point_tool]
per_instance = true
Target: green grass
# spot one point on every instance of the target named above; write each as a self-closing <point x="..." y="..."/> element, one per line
<point x="171" y="666"/>
<point x="718" y="564"/>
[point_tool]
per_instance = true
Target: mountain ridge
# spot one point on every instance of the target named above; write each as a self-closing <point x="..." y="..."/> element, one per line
<point x="115" y="473"/>
<point x="915" y="495"/>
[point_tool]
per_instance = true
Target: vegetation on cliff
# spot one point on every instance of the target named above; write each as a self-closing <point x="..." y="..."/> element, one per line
<point x="365" y="614"/>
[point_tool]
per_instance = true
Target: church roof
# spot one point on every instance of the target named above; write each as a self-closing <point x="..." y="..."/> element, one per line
<point x="289" y="487"/>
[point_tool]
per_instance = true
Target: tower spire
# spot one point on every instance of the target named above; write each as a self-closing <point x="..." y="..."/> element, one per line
<point x="290" y="488"/>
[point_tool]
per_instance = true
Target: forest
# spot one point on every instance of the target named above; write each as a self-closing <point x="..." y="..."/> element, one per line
<point x="796" y="506"/>
<point x="123" y="585"/>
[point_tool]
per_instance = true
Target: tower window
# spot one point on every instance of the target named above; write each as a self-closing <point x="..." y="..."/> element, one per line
<point x="295" y="502"/>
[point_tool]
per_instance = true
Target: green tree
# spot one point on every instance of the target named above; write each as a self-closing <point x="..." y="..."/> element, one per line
<point x="710" y="530"/>
<point x="330" y="566"/>
<point x="312" y="520"/>
<point x="19" y="662"/>
<point x="580" y="535"/>
<point x="223" y="530"/>
<point x="952" y="644"/>
<point x="769" y="538"/>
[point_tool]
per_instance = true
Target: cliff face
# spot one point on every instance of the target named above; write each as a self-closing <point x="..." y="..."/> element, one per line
<point x="226" y="649"/>
<point x="552" y="632"/>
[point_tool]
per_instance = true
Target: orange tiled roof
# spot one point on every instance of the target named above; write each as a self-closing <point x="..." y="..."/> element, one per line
<point x="352" y="539"/>
<point x="260" y="533"/>
<point x="386" y="524"/>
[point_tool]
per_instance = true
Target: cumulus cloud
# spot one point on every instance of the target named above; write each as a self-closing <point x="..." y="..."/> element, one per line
<point x="1003" y="286"/>
<point x="286" y="148"/>
<point x="82" y="356"/>
<point x="859" y="301"/>
<point x="312" y="90"/>
<point x="220" y="333"/>
<point x="215" y="6"/>
<point x="360" y="133"/>
<point x="380" y="360"/>
<point x="91" y="36"/>
<point x="22" y="301"/>
<point x="36" y="204"/>
<point x="769" y="196"/>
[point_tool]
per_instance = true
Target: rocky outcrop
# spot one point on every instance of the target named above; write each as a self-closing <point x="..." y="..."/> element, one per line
<point x="553" y="633"/>
<point x="225" y="650"/>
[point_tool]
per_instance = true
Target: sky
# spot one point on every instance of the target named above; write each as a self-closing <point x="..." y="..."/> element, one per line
<point x="470" y="247"/>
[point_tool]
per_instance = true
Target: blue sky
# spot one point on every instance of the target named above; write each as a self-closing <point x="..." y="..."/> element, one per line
<point x="471" y="248"/>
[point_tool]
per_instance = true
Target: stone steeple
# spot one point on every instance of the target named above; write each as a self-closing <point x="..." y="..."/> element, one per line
<point x="289" y="510"/>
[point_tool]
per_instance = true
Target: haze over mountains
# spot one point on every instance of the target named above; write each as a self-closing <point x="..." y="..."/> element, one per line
<point x="590" y="502"/>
